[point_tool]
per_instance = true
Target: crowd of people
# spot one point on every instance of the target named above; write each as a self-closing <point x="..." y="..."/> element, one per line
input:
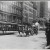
<point x="33" y="29"/>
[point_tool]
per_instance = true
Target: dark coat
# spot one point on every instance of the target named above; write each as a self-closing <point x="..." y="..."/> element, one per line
<point x="47" y="27"/>
<point x="48" y="33"/>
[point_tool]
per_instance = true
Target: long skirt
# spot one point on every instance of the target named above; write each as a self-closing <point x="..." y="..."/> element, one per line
<point x="48" y="39"/>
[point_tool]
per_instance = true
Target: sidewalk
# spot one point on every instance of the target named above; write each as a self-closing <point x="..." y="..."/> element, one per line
<point x="8" y="32"/>
<point x="40" y="40"/>
<point x="31" y="42"/>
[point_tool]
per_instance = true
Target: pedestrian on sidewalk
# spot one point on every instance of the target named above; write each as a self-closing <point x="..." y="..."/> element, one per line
<point x="37" y="27"/>
<point x="47" y="24"/>
<point x="26" y="30"/>
<point x="19" y="30"/>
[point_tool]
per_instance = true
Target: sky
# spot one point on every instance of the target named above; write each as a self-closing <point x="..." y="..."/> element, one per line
<point x="48" y="4"/>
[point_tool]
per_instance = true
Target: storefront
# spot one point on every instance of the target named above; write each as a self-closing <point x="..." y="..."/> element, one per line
<point x="8" y="26"/>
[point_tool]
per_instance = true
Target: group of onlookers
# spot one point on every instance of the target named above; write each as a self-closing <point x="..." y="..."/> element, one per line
<point x="33" y="29"/>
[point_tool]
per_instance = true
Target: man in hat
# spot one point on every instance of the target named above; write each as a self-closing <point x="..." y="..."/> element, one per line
<point x="47" y="24"/>
<point x="37" y="27"/>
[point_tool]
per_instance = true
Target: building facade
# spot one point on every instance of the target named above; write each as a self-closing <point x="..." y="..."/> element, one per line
<point x="10" y="14"/>
<point x="29" y="12"/>
<point x="43" y="12"/>
<point x="13" y="13"/>
<point x="35" y="12"/>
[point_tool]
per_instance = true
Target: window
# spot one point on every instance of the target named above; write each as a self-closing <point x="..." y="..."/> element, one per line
<point x="30" y="20"/>
<point x="4" y="17"/>
<point x="14" y="10"/>
<point x="31" y="5"/>
<point x="34" y="5"/>
<point x="30" y="15"/>
<point x="23" y="19"/>
<point x="16" y="3"/>
<point x="19" y="12"/>
<point x="25" y="8"/>
<point x="30" y="10"/>
<point x="13" y="2"/>
<point x="25" y="13"/>
<point x="14" y="17"/>
<point x="0" y="16"/>
<point x="11" y="9"/>
<point x="9" y="25"/>
<point x="0" y="6"/>
<point x="19" y="4"/>
<point x="26" y="3"/>
<point x="34" y="12"/>
<point x="19" y="21"/>
<point x="9" y="18"/>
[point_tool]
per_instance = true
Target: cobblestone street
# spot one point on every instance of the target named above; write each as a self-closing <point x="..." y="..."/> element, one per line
<point x="31" y="42"/>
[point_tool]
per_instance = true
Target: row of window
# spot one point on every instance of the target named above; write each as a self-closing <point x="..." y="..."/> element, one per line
<point x="35" y="5"/>
<point x="27" y="20"/>
<point x="30" y="20"/>
<point x="29" y="4"/>
<point x="25" y="13"/>
<point x="34" y="13"/>
<point x="28" y="9"/>
<point x="12" y="3"/>
<point x="9" y="8"/>
<point x="4" y="17"/>
<point x="28" y="14"/>
<point x="8" y="18"/>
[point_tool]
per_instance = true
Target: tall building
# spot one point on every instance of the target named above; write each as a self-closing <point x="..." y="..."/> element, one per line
<point x="42" y="9"/>
<point x="10" y="13"/>
<point x="38" y="8"/>
<point x="13" y="13"/>
<point x="35" y="11"/>
<point x="29" y="12"/>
